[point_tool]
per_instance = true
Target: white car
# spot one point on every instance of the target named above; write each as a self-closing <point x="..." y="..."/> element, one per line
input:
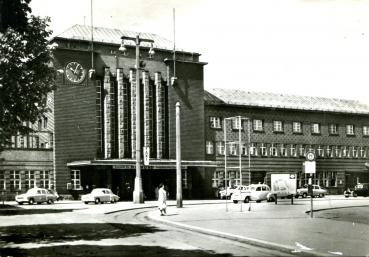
<point x="317" y="191"/>
<point x="226" y="193"/>
<point x="36" y="195"/>
<point x="100" y="195"/>
<point x="254" y="192"/>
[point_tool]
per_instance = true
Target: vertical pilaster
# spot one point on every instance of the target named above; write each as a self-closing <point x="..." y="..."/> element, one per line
<point x="147" y="99"/>
<point x="107" y="115"/>
<point x="132" y="80"/>
<point x="160" y="118"/>
<point x="122" y="91"/>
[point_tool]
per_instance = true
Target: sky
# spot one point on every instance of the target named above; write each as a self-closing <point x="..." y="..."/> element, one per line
<point x="299" y="47"/>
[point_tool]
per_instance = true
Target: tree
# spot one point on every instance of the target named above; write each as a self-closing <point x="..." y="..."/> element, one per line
<point x="26" y="70"/>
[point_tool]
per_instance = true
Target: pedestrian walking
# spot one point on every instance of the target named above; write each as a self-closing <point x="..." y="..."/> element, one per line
<point x="162" y="200"/>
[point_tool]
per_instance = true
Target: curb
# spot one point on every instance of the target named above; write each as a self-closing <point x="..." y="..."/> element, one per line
<point x="241" y="239"/>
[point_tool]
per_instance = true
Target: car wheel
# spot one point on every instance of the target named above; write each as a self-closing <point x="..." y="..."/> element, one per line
<point x="247" y="200"/>
<point x="31" y="201"/>
<point x="304" y="195"/>
<point x="321" y="195"/>
<point x="86" y="202"/>
<point x="258" y="201"/>
<point x="97" y="200"/>
<point x="235" y="201"/>
<point x="20" y="203"/>
<point x="296" y="196"/>
<point x="50" y="201"/>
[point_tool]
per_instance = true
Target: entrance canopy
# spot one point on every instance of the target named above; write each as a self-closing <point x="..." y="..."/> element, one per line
<point x="131" y="164"/>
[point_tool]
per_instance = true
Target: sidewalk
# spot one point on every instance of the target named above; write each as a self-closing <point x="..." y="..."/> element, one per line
<point x="283" y="227"/>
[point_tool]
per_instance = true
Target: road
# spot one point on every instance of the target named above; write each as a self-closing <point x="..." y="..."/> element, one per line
<point x="75" y="229"/>
<point x="171" y="237"/>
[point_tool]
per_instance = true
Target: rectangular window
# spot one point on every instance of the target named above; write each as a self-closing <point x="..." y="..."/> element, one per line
<point x="273" y="150"/>
<point x="253" y="149"/>
<point x="258" y="125"/>
<point x="2" y="180"/>
<point x="366" y="130"/>
<point x="237" y="123"/>
<point x="362" y="152"/>
<point x="220" y="147"/>
<point x="338" y="152"/>
<point x="277" y="126"/>
<point x="218" y="178"/>
<point x="296" y="127"/>
<point x="315" y="128"/>
<point x="15" y="180"/>
<point x="355" y="152"/>
<point x="320" y="151"/>
<point x="45" y="179"/>
<point x="283" y="150"/>
<point x="333" y="129"/>
<point x="263" y="150"/>
<point x="30" y="179"/>
<point x="75" y="177"/>
<point x="350" y="131"/>
<point x="45" y="122"/>
<point x="234" y="176"/>
<point x="293" y="151"/>
<point x="302" y="150"/>
<point x="244" y="149"/>
<point x="233" y="148"/>
<point x="343" y="151"/>
<point x="215" y="122"/>
<point x="209" y="147"/>
<point x="39" y="124"/>
<point x="329" y="151"/>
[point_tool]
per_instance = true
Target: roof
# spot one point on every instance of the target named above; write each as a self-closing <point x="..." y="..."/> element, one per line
<point x="113" y="36"/>
<point x="220" y="96"/>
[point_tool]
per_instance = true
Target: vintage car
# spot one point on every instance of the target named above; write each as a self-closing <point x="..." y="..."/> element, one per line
<point x="317" y="191"/>
<point x="36" y="195"/>
<point x="100" y="195"/>
<point x="361" y="189"/>
<point x="254" y="192"/>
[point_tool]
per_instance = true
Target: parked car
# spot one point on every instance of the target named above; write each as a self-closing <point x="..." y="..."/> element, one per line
<point x="254" y="192"/>
<point x="317" y="191"/>
<point x="361" y="189"/>
<point x="36" y="195"/>
<point x="100" y="195"/>
<point x="226" y="193"/>
<point x="53" y="192"/>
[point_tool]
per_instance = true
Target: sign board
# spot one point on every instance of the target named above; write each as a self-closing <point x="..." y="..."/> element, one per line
<point x="146" y="154"/>
<point x="309" y="167"/>
<point x="283" y="184"/>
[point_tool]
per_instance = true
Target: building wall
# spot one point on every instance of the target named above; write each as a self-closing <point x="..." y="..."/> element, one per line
<point x="349" y="170"/>
<point x="88" y="115"/>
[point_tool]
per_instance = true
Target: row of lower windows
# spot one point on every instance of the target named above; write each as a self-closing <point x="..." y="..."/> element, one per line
<point x="286" y="150"/>
<point x="324" y="179"/>
<point x="18" y="180"/>
<point x="278" y="126"/>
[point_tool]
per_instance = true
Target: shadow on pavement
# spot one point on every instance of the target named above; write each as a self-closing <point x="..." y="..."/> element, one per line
<point x="108" y="251"/>
<point x="53" y="233"/>
<point x="20" y="211"/>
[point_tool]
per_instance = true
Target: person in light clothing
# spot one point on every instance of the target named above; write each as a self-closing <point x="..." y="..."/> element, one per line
<point x="162" y="200"/>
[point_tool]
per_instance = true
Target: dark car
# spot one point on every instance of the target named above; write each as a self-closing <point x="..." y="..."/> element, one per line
<point x="361" y="189"/>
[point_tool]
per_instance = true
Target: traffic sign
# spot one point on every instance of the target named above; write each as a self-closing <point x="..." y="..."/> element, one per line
<point x="309" y="167"/>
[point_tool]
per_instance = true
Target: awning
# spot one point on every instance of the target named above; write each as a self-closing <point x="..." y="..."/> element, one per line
<point x="153" y="164"/>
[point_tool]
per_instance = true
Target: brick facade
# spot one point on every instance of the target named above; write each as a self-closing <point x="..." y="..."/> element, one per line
<point x="347" y="170"/>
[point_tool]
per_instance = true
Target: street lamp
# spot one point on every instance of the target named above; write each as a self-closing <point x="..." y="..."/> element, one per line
<point x="137" y="192"/>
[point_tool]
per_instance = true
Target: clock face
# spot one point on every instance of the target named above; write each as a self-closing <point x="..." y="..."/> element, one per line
<point x="310" y="156"/>
<point x="75" y="72"/>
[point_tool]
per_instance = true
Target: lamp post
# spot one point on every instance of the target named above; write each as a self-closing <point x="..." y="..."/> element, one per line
<point x="137" y="192"/>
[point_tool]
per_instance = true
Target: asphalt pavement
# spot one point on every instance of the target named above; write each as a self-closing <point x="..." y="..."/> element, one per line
<point x="282" y="226"/>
